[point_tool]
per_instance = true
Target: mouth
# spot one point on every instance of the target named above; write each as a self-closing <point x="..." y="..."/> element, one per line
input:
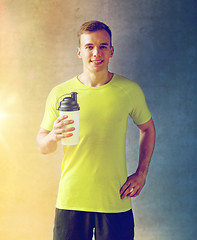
<point x="97" y="61"/>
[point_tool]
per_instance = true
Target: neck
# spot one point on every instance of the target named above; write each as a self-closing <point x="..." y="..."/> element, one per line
<point x="95" y="79"/>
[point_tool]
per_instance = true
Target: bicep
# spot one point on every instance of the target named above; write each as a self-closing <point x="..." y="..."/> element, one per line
<point x="148" y="126"/>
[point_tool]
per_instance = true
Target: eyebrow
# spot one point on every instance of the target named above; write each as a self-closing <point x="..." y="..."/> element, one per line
<point x="105" y="44"/>
<point x="90" y="44"/>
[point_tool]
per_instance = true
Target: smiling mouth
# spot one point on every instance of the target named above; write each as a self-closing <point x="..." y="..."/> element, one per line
<point x="97" y="62"/>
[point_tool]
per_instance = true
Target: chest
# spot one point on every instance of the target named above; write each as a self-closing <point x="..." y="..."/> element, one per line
<point x="100" y="106"/>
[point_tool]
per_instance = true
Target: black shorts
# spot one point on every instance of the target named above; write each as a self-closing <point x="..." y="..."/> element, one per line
<point x="79" y="225"/>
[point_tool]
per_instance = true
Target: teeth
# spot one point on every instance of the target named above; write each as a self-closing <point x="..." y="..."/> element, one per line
<point x="97" y="61"/>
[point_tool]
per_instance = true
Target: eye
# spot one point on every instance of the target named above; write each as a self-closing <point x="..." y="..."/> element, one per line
<point x="103" y="47"/>
<point x="89" y="47"/>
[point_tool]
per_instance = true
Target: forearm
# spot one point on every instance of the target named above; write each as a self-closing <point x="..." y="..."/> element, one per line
<point x="136" y="181"/>
<point x="46" y="143"/>
<point x="146" y="147"/>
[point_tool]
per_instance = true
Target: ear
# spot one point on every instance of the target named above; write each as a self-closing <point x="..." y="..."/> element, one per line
<point x="112" y="52"/>
<point x="79" y="52"/>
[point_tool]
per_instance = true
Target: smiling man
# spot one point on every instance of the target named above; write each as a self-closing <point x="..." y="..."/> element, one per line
<point x="95" y="51"/>
<point x="95" y="191"/>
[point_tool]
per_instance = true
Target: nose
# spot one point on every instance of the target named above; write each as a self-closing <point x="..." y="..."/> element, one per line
<point x="96" y="52"/>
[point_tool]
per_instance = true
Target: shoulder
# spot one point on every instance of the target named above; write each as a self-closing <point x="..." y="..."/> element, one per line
<point x="64" y="87"/>
<point x="59" y="91"/>
<point x="126" y="83"/>
<point x="67" y="84"/>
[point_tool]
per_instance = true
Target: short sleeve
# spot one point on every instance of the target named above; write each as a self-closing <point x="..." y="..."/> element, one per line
<point x="51" y="113"/>
<point x="140" y="112"/>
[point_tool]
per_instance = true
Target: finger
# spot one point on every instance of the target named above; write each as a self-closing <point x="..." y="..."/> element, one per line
<point x="136" y="194"/>
<point x="61" y="136"/>
<point x="59" y="119"/>
<point x="67" y="122"/>
<point x="68" y="130"/>
<point x="126" y="192"/>
<point x="132" y="192"/>
<point x="60" y="132"/>
<point x="67" y="135"/>
<point x="63" y="123"/>
<point x="124" y="187"/>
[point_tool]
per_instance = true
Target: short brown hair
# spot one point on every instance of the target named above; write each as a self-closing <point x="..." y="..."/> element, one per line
<point x="93" y="26"/>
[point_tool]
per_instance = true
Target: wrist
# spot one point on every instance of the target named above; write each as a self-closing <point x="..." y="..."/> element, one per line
<point x="142" y="172"/>
<point x="49" y="143"/>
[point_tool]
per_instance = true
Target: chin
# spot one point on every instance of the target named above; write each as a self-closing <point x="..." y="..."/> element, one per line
<point x="97" y="70"/>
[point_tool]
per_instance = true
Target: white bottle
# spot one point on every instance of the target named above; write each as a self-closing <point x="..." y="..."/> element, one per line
<point x="70" y="107"/>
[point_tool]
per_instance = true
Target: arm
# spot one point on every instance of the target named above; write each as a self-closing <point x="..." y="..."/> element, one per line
<point x="136" y="181"/>
<point x="47" y="140"/>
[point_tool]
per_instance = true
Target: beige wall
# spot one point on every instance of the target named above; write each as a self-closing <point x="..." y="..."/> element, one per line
<point x="38" y="51"/>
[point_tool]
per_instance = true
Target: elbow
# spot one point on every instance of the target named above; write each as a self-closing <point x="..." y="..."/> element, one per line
<point x="45" y="150"/>
<point x="45" y="144"/>
<point x="42" y="151"/>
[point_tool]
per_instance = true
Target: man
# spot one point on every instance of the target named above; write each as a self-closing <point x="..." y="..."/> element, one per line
<point x="94" y="191"/>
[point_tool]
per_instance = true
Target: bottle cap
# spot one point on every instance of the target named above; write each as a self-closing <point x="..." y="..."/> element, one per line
<point x="69" y="103"/>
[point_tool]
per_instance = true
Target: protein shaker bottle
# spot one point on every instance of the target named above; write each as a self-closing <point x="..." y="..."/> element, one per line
<point x="70" y="107"/>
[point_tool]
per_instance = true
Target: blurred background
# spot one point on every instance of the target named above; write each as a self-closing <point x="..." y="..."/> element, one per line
<point x="155" y="45"/>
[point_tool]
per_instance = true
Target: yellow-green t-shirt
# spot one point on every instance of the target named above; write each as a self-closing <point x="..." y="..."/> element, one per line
<point x="94" y="170"/>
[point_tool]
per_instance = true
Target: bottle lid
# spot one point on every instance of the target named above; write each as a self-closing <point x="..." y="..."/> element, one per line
<point x="69" y="103"/>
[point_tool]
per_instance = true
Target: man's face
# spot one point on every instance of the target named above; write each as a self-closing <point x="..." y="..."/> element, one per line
<point x="95" y="51"/>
